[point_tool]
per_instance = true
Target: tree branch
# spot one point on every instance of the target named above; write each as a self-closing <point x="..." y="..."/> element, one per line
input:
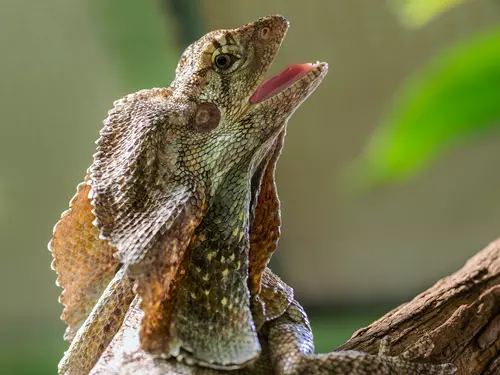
<point x="460" y="313"/>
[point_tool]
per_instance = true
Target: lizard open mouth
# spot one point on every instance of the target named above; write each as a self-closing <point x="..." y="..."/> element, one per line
<point x="279" y="83"/>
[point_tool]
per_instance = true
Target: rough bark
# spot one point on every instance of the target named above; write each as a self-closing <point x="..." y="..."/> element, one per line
<point x="460" y="313"/>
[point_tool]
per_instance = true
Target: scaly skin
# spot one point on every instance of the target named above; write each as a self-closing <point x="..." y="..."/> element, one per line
<point x="163" y="254"/>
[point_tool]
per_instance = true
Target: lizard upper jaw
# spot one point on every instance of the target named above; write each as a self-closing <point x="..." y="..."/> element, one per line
<point x="286" y="80"/>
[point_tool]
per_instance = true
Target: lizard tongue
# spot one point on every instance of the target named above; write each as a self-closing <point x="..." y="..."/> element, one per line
<point x="282" y="81"/>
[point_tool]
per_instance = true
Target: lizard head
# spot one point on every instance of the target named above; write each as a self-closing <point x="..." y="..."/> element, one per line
<point x="227" y="67"/>
<point x="236" y="111"/>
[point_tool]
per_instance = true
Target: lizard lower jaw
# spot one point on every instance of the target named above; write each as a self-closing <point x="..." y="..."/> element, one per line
<point x="289" y="80"/>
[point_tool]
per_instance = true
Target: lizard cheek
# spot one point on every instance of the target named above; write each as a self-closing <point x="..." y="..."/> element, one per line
<point x="207" y="117"/>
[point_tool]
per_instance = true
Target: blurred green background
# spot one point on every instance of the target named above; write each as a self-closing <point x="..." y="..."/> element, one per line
<point x="389" y="176"/>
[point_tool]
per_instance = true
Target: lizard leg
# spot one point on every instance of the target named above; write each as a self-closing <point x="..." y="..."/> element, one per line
<point x="99" y="327"/>
<point x="292" y="352"/>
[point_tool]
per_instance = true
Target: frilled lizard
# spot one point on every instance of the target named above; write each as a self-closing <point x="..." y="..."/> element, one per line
<point x="163" y="253"/>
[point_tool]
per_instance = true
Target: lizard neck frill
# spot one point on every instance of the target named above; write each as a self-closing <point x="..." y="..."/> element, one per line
<point x="212" y="321"/>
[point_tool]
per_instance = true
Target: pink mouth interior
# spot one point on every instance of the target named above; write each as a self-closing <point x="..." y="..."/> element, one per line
<point x="282" y="81"/>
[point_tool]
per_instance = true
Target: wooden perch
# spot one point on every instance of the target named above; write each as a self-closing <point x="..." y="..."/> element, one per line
<point x="460" y="313"/>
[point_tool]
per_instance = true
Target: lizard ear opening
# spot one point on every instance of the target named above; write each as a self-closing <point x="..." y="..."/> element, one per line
<point x="207" y="117"/>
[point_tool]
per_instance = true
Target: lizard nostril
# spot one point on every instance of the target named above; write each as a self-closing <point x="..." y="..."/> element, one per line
<point x="264" y="33"/>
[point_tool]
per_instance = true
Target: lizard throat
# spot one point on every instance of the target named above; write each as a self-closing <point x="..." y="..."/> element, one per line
<point x="281" y="82"/>
<point x="212" y="321"/>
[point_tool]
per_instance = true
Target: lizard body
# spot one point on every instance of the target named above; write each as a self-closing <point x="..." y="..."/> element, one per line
<point x="163" y="254"/>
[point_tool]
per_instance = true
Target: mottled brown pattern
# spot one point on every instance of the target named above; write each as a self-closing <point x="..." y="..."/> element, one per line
<point x="270" y="296"/>
<point x="154" y="279"/>
<point x="193" y="214"/>
<point x="84" y="263"/>
<point x="265" y="228"/>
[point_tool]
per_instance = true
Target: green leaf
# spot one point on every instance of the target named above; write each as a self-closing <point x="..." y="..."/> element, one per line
<point x="416" y="13"/>
<point x="455" y="97"/>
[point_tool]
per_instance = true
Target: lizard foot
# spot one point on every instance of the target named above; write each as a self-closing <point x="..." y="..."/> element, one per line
<point x="404" y="363"/>
<point x="353" y="362"/>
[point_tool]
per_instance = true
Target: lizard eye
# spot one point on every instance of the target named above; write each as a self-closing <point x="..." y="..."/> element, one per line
<point x="224" y="61"/>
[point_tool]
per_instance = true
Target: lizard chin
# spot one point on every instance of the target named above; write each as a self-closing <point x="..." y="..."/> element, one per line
<point x="298" y="77"/>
